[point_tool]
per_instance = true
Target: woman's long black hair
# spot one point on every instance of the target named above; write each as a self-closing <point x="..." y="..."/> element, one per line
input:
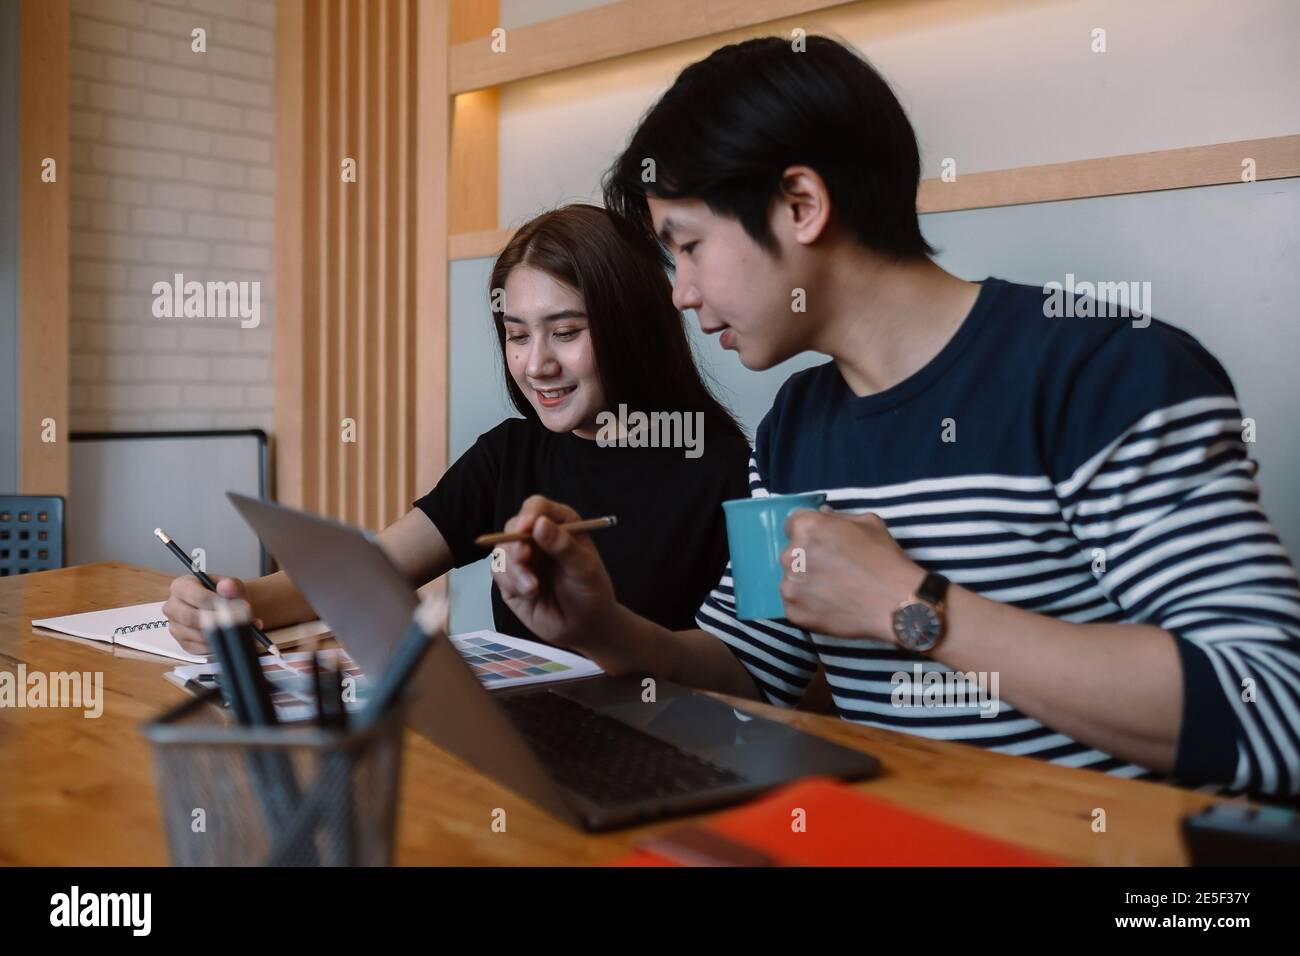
<point x="643" y="357"/>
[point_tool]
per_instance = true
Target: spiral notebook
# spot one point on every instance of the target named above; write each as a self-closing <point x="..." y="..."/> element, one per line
<point x="141" y="627"/>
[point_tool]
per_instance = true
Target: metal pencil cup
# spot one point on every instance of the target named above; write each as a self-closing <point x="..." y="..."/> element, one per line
<point x="293" y="795"/>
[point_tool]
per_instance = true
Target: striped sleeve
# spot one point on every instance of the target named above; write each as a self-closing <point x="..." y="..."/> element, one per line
<point x="1169" y="511"/>
<point x="779" y="656"/>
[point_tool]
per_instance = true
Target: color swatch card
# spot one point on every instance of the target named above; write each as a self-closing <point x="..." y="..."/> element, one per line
<point x="290" y="678"/>
<point x="499" y="660"/>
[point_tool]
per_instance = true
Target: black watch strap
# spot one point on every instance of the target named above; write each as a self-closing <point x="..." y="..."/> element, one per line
<point x="933" y="588"/>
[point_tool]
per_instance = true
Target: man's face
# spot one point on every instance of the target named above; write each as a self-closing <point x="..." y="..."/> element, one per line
<point x="736" y="287"/>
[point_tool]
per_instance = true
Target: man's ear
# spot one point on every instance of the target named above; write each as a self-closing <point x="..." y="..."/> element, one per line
<point x="804" y="204"/>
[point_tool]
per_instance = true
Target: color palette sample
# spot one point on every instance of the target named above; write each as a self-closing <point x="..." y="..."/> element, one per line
<point x="493" y="662"/>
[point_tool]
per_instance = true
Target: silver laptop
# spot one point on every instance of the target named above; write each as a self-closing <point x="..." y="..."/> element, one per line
<point x="592" y="751"/>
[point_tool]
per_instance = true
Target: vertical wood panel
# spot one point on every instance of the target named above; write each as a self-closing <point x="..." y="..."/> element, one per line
<point x="43" y="247"/>
<point x="295" y="243"/>
<point x="367" y="338"/>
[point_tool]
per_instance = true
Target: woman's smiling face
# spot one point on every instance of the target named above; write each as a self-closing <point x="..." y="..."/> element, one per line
<point x="549" y="351"/>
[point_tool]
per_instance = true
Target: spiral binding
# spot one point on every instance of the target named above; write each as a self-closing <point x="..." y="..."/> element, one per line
<point x="128" y="628"/>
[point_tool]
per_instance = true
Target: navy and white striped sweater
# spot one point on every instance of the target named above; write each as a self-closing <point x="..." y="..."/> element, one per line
<point x="1098" y="474"/>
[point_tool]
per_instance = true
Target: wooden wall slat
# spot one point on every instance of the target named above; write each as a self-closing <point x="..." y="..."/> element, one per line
<point x="367" y="337"/>
<point x="42" y="304"/>
<point x="295" y="238"/>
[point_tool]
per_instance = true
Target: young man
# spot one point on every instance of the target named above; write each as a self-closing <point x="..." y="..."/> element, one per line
<point x="1064" y="505"/>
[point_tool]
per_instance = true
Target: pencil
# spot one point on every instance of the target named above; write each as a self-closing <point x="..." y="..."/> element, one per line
<point x="505" y="537"/>
<point x="207" y="582"/>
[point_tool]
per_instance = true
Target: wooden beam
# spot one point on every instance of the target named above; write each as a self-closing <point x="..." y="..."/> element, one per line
<point x="612" y="30"/>
<point x="474" y="188"/>
<point x="1217" y="164"/>
<point x="43" y="425"/>
<point x="1276" y="157"/>
<point x="290" y="231"/>
<point x="432" y="140"/>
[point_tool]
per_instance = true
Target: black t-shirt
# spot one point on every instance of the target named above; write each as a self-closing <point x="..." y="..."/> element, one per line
<point x="669" y="547"/>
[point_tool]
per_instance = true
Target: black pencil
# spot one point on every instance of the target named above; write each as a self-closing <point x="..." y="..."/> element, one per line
<point x="207" y="582"/>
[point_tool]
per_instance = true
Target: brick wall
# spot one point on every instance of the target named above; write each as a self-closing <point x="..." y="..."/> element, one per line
<point x="171" y="171"/>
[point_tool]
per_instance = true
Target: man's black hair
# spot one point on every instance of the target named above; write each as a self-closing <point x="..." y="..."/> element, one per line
<point x="732" y="123"/>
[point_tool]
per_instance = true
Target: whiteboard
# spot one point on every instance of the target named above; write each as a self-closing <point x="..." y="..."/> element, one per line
<point x="125" y="484"/>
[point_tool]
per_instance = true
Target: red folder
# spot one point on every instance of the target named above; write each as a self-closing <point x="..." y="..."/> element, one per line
<point x="818" y="822"/>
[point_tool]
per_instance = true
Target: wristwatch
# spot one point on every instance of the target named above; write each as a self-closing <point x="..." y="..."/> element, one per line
<point x="919" y="620"/>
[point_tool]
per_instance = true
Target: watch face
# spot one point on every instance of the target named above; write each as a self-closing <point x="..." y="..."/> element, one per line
<point x="917" y="626"/>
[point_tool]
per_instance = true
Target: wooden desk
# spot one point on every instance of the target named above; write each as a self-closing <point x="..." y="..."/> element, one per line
<point x="80" y="791"/>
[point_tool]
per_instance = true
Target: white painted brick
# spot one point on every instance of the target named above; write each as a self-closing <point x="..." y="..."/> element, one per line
<point x="129" y="12"/>
<point x="183" y="139"/>
<point x="239" y="63"/>
<point x="203" y="112"/>
<point x="182" y="195"/>
<point x="235" y="9"/>
<point x="123" y="130"/>
<point x="182" y="421"/>
<point x="171" y="79"/>
<point x="86" y="185"/>
<point x="209" y="339"/>
<point x="242" y="35"/>
<point x="244" y="419"/>
<point x="242" y="257"/>
<point x="136" y="162"/>
<point x="243" y="369"/>
<point x="118" y="422"/>
<point x="83" y="367"/>
<point x="261" y="179"/>
<point x="160" y="106"/>
<point x="242" y="148"/>
<point x="126" y="306"/>
<point x="110" y="217"/>
<point x="201" y="226"/>
<point x="178" y="252"/>
<point x="124" y="368"/>
<point x="79" y="153"/>
<point x="260" y="396"/>
<point x="176" y="23"/>
<point x="85" y="305"/>
<point x="113" y="99"/>
<point x="212" y="172"/>
<point x="246" y="205"/>
<point x="259" y="230"/>
<point x="128" y="190"/>
<point x="157" y="222"/>
<point x="97" y="275"/>
<point x="141" y="396"/>
<point x="98" y="35"/>
<point x="76" y="92"/>
<point x="259" y="340"/>
<point x="78" y="215"/>
<point x="212" y="396"/>
<point x="174" y="367"/>
<point x="160" y="338"/>
<point x="83" y="124"/>
<point x="238" y="91"/>
<point x="262" y="12"/>
<point x="86" y="64"/>
<point x="104" y="246"/>
<point x="120" y="69"/>
<point x="259" y="121"/>
<point x="111" y="336"/>
<point x="151" y="46"/>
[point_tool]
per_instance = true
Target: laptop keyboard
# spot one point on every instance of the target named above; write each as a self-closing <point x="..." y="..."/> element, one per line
<point x="605" y="760"/>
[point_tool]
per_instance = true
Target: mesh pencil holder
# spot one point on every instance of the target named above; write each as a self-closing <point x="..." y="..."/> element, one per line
<point x="293" y="795"/>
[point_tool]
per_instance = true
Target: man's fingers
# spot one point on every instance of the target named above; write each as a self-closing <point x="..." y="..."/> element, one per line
<point x="553" y="539"/>
<point x="537" y="506"/>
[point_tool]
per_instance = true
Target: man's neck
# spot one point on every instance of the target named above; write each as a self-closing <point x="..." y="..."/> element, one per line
<point x="886" y="320"/>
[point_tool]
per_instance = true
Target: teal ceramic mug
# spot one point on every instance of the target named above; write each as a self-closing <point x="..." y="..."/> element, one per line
<point x="756" y="537"/>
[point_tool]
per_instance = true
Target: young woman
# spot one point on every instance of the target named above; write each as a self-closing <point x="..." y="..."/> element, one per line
<point x="589" y="336"/>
